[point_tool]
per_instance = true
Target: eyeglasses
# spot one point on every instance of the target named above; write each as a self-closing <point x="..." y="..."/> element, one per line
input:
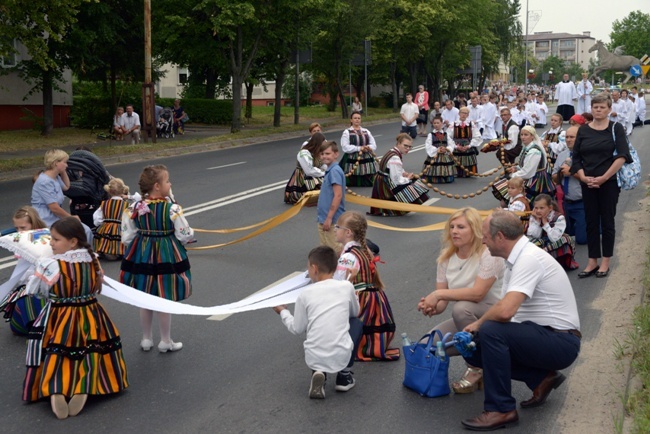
<point x="340" y="227"/>
<point x="408" y="146"/>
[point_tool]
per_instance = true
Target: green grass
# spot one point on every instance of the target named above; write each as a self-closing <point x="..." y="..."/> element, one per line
<point x="638" y="402"/>
<point x="259" y="126"/>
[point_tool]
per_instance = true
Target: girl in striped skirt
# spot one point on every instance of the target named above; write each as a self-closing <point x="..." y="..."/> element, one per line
<point x="73" y="349"/>
<point x="357" y="264"/>
<point x="309" y="172"/>
<point x="358" y="162"/>
<point x="546" y="230"/>
<point x="439" y="167"/>
<point x="533" y="166"/>
<point x="155" y="261"/>
<point x="467" y="141"/>
<point x="393" y="183"/>
<point x="108" y="221"/>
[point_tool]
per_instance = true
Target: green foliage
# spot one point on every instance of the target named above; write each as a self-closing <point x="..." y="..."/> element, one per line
<point x="633" y="32"/>
<point x="289" y="88"/>
<point x="208" y="111"/>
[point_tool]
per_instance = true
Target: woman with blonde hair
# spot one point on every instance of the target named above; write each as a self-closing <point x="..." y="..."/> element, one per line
<point x="467" y="275"/>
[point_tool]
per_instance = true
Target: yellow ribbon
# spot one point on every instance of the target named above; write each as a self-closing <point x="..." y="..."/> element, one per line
<point x="359" y="200"/>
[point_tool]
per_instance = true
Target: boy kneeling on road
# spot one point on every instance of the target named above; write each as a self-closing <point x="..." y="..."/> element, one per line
<point x="327" y="310"/>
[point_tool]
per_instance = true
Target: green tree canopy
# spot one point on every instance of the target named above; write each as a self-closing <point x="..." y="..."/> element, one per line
<point x="633" y="32"/>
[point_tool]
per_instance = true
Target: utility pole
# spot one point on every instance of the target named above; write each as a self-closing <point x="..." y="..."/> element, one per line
<point x="148" y="127"/>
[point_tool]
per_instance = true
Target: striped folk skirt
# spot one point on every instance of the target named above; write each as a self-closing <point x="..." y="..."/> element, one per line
<point x="158" y="265"/>
<point x="562" y="250"/>
<point x="439" y="169"/>
<point x="415" y="192"/>
<point x="80" y="352"/>
<point x="364" y="174"/>
<point x="21" y="310"/>
<point x="378" y="327"/>
<point x="299" y="184"/>
<point x="540" y="182"/>
<point x="108" y="238"/>
<point x="468" y="162"/>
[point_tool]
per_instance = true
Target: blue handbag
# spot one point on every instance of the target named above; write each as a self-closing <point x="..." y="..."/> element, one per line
<point x="426" y="373"/>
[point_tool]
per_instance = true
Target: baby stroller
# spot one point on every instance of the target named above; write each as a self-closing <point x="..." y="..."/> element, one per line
<point x="87" y="179"/>
<point x="164" y="127"/>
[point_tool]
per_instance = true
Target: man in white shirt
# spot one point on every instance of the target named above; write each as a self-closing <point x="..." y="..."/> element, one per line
<point x="449" y="114"/>
<point x="584" y="89"/>
<point x="630" y="108"/>
<point x="131" y="124"/>
<point x="531" y="333"/>
<point x="489" y="116"/>
<point x="640" y="110"/>
<point x="565" y="94"/>
<point x="475" y="112"/>
<point x="619" y="109"/>
<point x="409" y="113"/>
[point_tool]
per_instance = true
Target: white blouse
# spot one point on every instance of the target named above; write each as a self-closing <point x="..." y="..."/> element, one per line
<point x="349" y="149"/>
<point x="182" y="230"/>
<point x="48" y="271"/>
<point x="553" y="233"/>
<point x="307" y="163"/>
<point x="461" y="273"/>
<point x="396" y="170"/>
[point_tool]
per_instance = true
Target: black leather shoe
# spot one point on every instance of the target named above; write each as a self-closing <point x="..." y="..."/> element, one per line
<point x="585" y="273"/>
<point x="603" y="273"/>
<point x="541" y="392"/>
<point x="491" y="420"/>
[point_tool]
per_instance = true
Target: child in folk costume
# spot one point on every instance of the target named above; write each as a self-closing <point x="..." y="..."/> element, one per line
<point x="108" y="221"/>
<point x="357" y="264"/>
<point x="467" y="140"/>
<point x="21" y="310"/>
<point x="532" y="165"/>
<point x="74" y="349"/>
<point x="439" y="167"/>
<point x="393" y="183"/>
<point x="155" y="260"/>
<point x="517" y="201"/>
<point x="546" y="230"/>
<point x="309" y="172"/>
<point x="358" y="162"/>
<point x="553" y="139"/>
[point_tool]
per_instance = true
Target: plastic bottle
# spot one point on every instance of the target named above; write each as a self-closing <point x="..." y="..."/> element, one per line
<point x="440" y="351"/>
<point x="406" y="342"/>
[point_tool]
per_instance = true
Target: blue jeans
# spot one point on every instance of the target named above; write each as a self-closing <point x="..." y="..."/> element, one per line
<point x="576" y="224"/>
<point x="524" y="352"/>
<point x="356" y="331"/>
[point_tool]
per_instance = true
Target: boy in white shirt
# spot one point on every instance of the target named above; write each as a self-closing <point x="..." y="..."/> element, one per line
<point x="327" y="310"/>
<point x="542" y="110"/>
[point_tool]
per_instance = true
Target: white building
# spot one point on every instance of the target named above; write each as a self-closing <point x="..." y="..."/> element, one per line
<point x="568" y="47"/>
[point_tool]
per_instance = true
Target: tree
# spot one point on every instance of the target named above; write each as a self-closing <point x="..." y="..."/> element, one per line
<point x="41" y="26"/>
<point x="633" y="32"/>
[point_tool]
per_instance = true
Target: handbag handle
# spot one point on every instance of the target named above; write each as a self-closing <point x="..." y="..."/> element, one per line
<point x="430" y="340"/>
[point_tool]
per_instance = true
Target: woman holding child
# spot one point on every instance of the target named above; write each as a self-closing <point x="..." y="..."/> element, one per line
<point x="467" y="275"/>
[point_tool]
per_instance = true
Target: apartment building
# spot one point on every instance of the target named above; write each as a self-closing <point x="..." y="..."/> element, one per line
<point x="569" y="47"/>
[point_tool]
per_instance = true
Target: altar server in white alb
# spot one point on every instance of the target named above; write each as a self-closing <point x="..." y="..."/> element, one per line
<point x="584" y="89"/>
<point x="619" y="109"/>
<point x="630" y="103"/>
<point x="565" y="94"/>
<point x="489" y="115"/>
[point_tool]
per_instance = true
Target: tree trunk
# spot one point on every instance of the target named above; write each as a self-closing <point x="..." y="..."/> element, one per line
<point x="331" y="105"/>
<point x="48" y="109"/>
<point x="210" y="83"/>
<point x="395" y="87"/>
<point x="279" y="82"/>
<point x="413" y="75"/>
<point x="249" y="99"/>
<point x="113" y="87"/>
<point x="235" y="126"/>
<point x="344" y="106"/>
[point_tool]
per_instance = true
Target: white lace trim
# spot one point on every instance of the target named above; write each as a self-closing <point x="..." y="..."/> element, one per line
<point x="78" y="255"/>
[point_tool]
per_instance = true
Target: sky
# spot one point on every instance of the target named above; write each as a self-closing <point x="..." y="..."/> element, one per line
<point x="577" y="16"/>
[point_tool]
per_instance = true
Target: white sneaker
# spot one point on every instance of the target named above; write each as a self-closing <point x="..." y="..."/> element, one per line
<point x="317" y="386"/>
<point x="146" y="344"/>
<point x="163" y="347"/>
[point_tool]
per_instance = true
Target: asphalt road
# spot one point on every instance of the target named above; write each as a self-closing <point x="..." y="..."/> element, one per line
<point x="246" y="374"/>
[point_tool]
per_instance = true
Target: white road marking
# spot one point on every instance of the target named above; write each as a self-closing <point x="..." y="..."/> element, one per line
<point x="243" y="193"/>
<point x="8" y="258"/>
<point x="226" y="165"/>
<point x="8" y="264"/>
<point x="234" y="198"/>
<point x="431" y="201"/>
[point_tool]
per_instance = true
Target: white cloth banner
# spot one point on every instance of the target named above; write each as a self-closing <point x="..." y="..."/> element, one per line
<point x="15" y="279"/>
<point x="283" y="293"/>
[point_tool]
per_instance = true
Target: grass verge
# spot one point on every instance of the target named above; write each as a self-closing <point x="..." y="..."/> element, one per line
<point x="638" y="402"/>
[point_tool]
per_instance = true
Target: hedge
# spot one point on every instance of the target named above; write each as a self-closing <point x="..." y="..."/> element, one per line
<point x="97" y="112"/>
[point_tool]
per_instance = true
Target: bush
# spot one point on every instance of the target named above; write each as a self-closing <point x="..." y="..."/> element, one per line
<point x="97" y="112"/>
